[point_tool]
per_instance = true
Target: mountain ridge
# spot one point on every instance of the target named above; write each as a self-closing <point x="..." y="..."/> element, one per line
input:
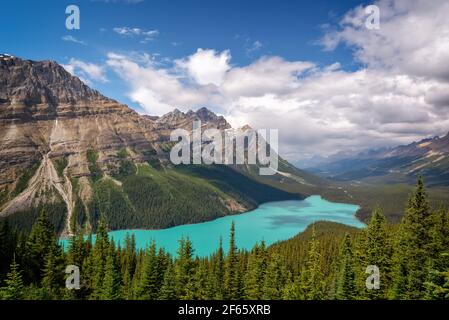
<point x="66" y="147"/>
<point x="428" y="157"/>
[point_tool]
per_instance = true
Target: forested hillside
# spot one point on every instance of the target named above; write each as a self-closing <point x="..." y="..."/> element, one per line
<point x="327" y="261"/>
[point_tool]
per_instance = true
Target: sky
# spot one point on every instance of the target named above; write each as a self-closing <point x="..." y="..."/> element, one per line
<point x="312" y="69"/>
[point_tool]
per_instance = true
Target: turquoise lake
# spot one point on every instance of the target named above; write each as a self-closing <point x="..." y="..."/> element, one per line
<point x="271" y="222"/>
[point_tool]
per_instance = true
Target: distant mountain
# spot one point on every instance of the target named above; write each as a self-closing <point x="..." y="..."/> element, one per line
<point x="67" y="149"/>
<point x="428" y="157"/>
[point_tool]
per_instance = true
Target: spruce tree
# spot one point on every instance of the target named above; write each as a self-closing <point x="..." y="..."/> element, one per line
<point x="438" y="278"/>
<point x="140" y="257"/>
<point x="231" y="279"/>
<point x="150" y="280"/>
<point x="346" y="285"/>
<point x="293" y="289"/>
<point x="438" y="286"/>
<point x="128" y="266"/>
<point x="110" y="289"/>
<point x="275" y="279"/>
<point x="41" y="241"/>
<point x="255" y="274"/>
<point x="98" y="260"/>
<point x="413" y="252"/>
<point x="439" y="245"/>
<point x="218" y="274"/>
<point x="87" y="268"/>
<point x="312" y="282"/>
<point x="375" y="248"/>
<point x="13" y="289"/>
<point x="184" y="268"/>
<point x="201" y="281"/>
<point x="7" y="245"/>
<point x="169" y="289"/>
<point x="52" y="280"/>
<point x="77" y="249"/>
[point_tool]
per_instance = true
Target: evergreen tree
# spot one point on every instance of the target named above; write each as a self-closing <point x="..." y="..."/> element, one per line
<point x="169" y="288"/>
<point x="231" y="280"/>
<point x="312" y="283"/>
<point x="77" y="249"/>
<point x="255" y="274"/>
<point x="375" y="249"/>
<point x="299" y="268"/>
<point x="87" y="268"/>
<point x="140" y="257"/>
<point x="202" y="290"/>
<point x="218" y="274"/>
<point x="438" y="280"/>
<point x="52" y="280"/>
<point x="439" y="246"/>
<point x="98" y="260"/>
<point x="293" y="289"/>
<point x="275" y="279"/>
<point x="111" y="281"/>
<point x="41" y="241"/>
<point x="14" y="289"/>
<point x="413" y="255"/>
<point x="438" y="287"/>
<point x="184" y="268"/>
<point x="151" y="279"/>
<point x="346" y="286"/>
<point x="128" y="264"/>
<point x="7" y="246"/>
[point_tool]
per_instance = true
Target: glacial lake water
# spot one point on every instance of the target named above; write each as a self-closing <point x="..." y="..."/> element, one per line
<point x="271" y="222"/>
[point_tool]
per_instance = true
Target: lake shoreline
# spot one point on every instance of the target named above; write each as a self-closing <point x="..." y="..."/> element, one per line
<point x="270" y="222"/>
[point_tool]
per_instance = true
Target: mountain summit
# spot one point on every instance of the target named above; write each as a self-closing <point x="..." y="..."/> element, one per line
<point x="40" y="82"/>
<point x="69" y="150"/>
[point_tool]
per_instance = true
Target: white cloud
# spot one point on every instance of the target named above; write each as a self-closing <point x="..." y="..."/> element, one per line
<point x="413" y="37"/>
<point x="399" y="95"/>
<point x="206" y="66"/>
<point x="156" y="89"/>
<point x="255" y="46"/>
<point x="70" y="38"/>
<point x="268" y="75"/>
<point x="317" y="110"/>
<point x="86" y="71"/>
<point x="145" y="35"/>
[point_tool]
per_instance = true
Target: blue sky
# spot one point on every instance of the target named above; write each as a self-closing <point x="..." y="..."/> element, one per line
<point x="312" y="69"/>
<point x="249" y="29"/>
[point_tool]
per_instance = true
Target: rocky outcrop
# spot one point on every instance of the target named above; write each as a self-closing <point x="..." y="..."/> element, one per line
<point x="46" y="111"/>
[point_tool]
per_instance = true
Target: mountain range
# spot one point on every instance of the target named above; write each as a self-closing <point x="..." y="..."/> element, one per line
<point x="428" y="157"/>
<point x="81" y="156"/>
<point x="68" y="149"/>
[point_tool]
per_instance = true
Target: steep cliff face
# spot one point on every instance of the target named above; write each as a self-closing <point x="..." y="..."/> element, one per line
<point x="46" y="111"/>
<point x="49" y="118"/>
<point x="63" y="144"/>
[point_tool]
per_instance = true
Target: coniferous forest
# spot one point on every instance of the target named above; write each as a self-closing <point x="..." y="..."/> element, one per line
<point x="327" y="261"/>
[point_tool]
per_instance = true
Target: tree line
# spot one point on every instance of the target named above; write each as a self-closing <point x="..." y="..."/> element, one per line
<point x="412" y="258"/>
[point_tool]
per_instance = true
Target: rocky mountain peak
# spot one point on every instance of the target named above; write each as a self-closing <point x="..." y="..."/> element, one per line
<point x="178" y="119"/>
<point x="40" y="82"/>
<point x="5" y="56"/>
<point x="246" y="127"/>
<point x="45" y="90"/>
<point x="172" y="117"/>
<point x="206" y="115"/>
